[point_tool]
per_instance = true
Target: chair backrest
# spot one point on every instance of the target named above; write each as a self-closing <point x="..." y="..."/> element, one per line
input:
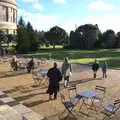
<point x="100" y="88"/>
<point x="70" y="89"/>
<point x="117" y="104"/>
<point x="62" y="96"/>
<point x="101" y="91"/>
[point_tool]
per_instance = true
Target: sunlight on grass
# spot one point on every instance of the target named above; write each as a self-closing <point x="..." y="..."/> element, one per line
<point x="51" y="47"/>
<point x="80" y="56"/>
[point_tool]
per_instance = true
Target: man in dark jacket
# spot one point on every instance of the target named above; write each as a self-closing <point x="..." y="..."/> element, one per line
<point x="95" y="68"/>
<point x="30" y="65"/>
<point x="55" y="77"/>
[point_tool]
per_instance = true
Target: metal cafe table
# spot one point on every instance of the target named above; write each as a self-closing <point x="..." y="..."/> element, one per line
<point x="43" y="73"/>
<point x="85" y="96"/>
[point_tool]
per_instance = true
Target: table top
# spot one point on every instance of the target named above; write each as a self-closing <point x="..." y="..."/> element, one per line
<point x="43" y="72"/>
<point x="88" y="93"/>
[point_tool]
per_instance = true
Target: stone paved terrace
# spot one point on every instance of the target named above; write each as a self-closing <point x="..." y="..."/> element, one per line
<point x="10" y="109"/>
<point x="19" y="87"/>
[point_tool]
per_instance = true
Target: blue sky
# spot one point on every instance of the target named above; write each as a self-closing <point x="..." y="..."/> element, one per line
<point x="44" y="14"/>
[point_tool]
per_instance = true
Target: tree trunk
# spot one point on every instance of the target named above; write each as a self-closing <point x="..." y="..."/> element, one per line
<point x="53" y="46"/>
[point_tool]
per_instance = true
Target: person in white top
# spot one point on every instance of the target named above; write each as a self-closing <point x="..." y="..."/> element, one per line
<point x="66" y="71"/>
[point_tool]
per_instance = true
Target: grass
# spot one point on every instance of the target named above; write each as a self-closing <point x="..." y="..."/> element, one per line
<point x="50" y="47"/>
<point x="81" y="56"/>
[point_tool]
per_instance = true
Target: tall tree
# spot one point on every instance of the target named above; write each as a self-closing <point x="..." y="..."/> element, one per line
<point x="32" y="37"/>
<point x="85" y="36"/>
<point x="109" y="39"/>
<point x="117" y="45"/>
<point x="89" y="35"/>
<point x="57" y="36"/>
<point x="23" y="43"/>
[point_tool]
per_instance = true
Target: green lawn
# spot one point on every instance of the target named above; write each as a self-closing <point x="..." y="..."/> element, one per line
<point x="81" y="56"/>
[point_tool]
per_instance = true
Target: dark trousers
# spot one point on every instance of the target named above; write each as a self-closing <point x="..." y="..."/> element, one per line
<point x="55" y="94"/>
<point x="94" y="74"/>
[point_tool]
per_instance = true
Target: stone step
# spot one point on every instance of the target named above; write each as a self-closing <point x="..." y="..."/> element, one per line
<point x="11" y="108"/>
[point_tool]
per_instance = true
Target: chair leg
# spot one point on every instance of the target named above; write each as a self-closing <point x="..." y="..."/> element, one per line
<point x="62" y="114"/>
<point x="35" y="82"/>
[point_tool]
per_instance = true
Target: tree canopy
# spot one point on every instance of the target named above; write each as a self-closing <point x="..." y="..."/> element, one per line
<point x="57" y="36"/>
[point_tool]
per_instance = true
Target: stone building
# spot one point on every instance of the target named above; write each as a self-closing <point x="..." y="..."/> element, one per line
<point x="8" y="16"/>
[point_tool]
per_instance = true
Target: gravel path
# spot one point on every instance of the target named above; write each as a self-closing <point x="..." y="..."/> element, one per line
<point x="19" y="87"/>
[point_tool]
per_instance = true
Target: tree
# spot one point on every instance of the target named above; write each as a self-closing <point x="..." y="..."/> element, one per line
<point x="109" y="39"/>
<point x="32" y="37"/>
<point x="98" y="43"/>
<point x="23" y="43"/>
<point x="57" y="36"/>
<point x="89" y="35"/>
<point x="117" y="45"/>
<point x="3" y="37"/>
<point x="85" y="36"/>
<point x="40" y="37"/>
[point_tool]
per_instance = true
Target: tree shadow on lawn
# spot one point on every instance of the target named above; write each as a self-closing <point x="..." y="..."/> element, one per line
<point x="76" y="54"/>
<point x="114" y="63"/>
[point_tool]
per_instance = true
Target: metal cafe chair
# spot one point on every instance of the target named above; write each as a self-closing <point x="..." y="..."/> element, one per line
<point x="97" y="101"/>
<point x="69" y="105"/>
<point x="111" y="109"/>
<point x="100" y="94"/>
<point x="70" y="89"/>
<point x="36" y="78"/>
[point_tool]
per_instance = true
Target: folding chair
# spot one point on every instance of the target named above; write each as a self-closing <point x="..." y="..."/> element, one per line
<point x="100" y="94"/>
<point x="36" y="78"/>
<point x="69" y="105"/>
<point x="71" y="88"/>
<point x="97" y="101"/>
<point x="111" y="109"/>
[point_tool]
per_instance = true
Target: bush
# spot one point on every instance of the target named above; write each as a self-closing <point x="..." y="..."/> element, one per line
<point x="10" y="50"/>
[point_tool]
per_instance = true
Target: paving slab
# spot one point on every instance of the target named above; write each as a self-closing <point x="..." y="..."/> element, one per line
<point x="22" y="109"/>
<point x="33" y="116"/>
<point x="1" y="93"/>
<point x="7" y="100"/>
<point x="8" y="113"/>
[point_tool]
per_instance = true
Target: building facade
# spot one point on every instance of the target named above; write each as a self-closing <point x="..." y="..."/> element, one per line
<point x="8" y="16"/>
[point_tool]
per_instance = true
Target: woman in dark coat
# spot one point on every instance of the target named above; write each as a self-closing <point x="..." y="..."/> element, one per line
<point x="55" y="77"/>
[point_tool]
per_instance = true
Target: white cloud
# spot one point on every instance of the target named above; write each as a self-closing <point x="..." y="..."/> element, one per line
<point x="28" y="0"/>
<point x="60" y="1"/>
<point x="38" y="20"/>
<point x="38" y="6"/>
<point x="101" y="5"/>
<point x="45" y="22"/>
<point x="106" y="21"/>
<point x="35" y="5"/>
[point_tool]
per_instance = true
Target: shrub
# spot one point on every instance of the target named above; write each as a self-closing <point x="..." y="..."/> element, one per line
<point x="10" y="50"/>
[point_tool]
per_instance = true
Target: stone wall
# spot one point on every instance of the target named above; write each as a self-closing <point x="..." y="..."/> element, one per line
<point x="8" y="17"/>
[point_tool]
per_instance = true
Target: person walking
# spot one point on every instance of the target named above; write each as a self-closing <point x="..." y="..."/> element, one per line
<point x="55" y="77"/>
<point x="66" y="71"/>
<point x="95" y="68"/>
<point x="30" y="65"/>
<point x="13" y="64"/>
<point x="104" y="69"/>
